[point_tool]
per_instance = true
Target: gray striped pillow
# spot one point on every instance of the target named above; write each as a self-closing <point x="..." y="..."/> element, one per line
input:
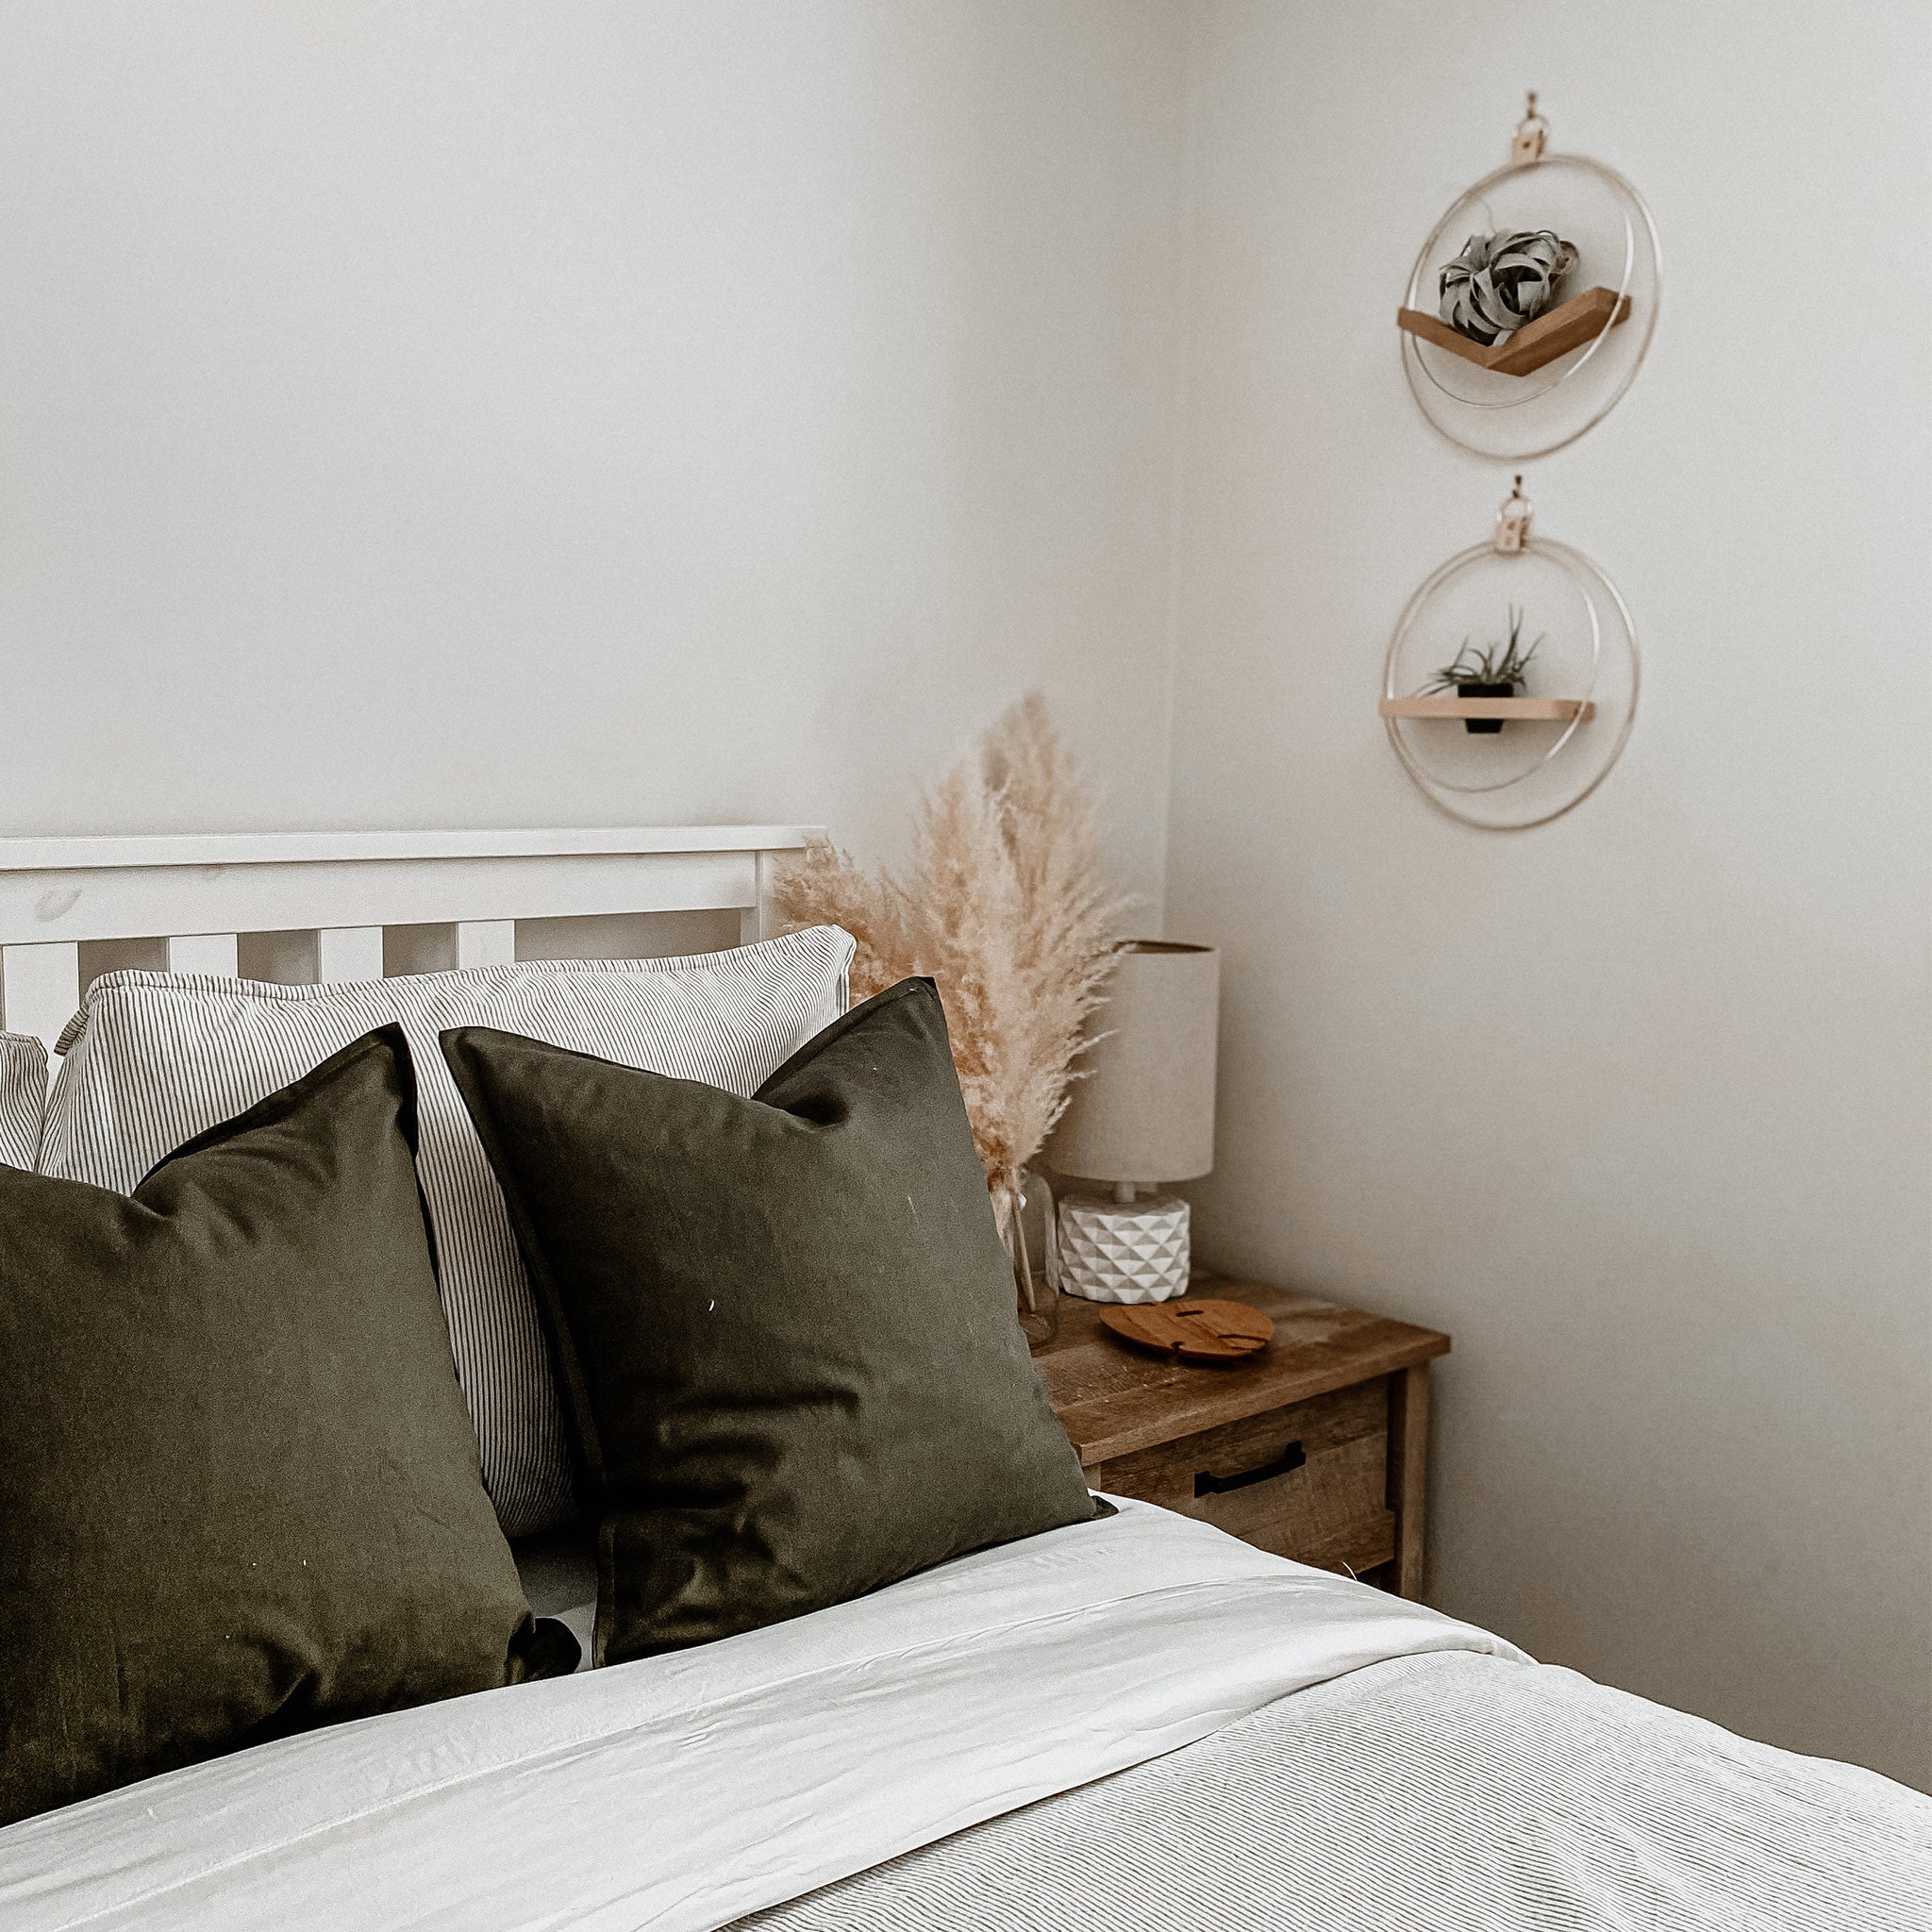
<point x="154" y="1059"/>
<point x="23" y="1095"/>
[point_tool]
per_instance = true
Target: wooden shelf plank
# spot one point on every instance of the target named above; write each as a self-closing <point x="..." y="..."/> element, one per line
<point x="1566" y="327"/>
<point x="1547" y="710"/>
<point x="1432" y="328"/>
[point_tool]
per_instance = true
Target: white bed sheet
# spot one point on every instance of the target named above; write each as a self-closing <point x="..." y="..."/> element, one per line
<point x="682" y="1793"/>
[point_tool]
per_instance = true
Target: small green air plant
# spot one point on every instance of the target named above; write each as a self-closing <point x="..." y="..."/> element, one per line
<point x="1502" y="663"/>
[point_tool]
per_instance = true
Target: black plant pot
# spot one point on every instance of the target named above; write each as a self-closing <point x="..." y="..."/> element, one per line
<point x="1485" y="726"/>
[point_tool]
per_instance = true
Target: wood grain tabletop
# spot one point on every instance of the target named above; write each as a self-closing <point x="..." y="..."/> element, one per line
<point x="1113" y="1398"/>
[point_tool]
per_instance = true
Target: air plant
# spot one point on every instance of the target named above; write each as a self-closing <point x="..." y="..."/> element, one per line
<point x="1499" y="282"/>
<point x="1502" y="663"/>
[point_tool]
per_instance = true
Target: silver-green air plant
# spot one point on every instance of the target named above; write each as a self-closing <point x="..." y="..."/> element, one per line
<point x="1499" y="282"/>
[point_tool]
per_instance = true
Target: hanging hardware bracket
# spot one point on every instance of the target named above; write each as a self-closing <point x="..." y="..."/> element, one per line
<point x="1532" y="131"/>
<point x="1512" y="522"/>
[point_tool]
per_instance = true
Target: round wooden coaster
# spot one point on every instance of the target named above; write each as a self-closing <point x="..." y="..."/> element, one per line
<point x="1197" y="1331"/>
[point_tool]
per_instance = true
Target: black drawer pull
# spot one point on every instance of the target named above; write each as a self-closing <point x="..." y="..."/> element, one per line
<point x="1208" y="1484"/>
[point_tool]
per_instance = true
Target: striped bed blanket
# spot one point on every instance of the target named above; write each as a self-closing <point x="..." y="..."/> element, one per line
<point x="1449" y="1791"/>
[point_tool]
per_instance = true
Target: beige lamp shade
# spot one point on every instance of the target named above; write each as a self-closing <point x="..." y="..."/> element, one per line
<point x="1144" y="1111"/>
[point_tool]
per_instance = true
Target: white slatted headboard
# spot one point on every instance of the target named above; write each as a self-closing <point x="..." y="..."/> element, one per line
<point x="197" y="898"/>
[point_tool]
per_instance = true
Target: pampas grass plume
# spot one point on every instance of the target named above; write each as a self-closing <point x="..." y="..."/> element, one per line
<point x="1002" y="907"/>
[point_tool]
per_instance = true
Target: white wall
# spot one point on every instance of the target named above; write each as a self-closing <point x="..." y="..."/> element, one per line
<point x="425" y="412"/>
<point x="1635" y="1104"/>
<point x="415" y="412"/>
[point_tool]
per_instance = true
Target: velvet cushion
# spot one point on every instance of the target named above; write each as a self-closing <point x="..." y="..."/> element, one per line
<point x="239" y="1489"/>
<point x="786" y="1325"/>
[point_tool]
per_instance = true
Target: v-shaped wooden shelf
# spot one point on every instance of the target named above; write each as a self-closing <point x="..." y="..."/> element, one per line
<point x="1566" y="327"/>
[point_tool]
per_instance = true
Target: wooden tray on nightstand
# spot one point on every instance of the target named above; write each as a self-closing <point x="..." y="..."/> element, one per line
<point x="1192" y="1328"/>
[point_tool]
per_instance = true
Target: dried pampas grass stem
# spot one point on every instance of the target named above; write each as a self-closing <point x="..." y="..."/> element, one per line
<point x="1003" y="908"/>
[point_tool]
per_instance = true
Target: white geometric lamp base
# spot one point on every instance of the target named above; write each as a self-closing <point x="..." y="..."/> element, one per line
<point x="1123" y="1251"/>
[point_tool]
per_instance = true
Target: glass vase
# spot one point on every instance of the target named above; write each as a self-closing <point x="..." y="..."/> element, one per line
<point x="1029" y="1233"/>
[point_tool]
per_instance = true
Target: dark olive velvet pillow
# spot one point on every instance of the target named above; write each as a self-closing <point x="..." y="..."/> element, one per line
<point x="786" y="1325"/>
<point x="239" y="1488"/>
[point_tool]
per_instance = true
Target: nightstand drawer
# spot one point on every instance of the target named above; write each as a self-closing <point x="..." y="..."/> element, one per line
<point x="1309" y="1481"/>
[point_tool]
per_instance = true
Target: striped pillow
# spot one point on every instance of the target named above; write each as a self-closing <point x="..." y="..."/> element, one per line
<point x="154" y="1059"/>
<point x="23" y="1095"/>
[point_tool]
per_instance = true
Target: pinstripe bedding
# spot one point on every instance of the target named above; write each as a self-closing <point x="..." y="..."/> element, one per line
<point x="154" y="1059"/>
<point x="1446" y="1792"/>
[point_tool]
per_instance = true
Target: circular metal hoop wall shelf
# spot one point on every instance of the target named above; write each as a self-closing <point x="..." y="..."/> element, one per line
<point x="1501" y="757"/>
<point x="1560" y="374"/>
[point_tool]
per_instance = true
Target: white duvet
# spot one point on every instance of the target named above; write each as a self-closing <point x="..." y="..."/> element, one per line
<point x="684" y="1792"/>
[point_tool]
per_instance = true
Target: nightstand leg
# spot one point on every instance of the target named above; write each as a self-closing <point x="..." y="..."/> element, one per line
<point x="1408" y="1464"/>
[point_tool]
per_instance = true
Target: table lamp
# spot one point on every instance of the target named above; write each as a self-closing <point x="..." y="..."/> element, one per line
<point x="1143" y="1114"/>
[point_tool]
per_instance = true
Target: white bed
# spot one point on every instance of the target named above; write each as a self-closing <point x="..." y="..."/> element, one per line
<point x="1311" y="1752"/>
<point x="1132" y="1723"/>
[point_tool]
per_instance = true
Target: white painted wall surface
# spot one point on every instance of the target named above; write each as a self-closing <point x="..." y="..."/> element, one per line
<point x="416" y="412"/>
<point x="1635" y="1105"/>
<point x="423" y="413"/>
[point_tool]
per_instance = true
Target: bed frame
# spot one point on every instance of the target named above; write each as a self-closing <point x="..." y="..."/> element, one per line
<point x="305" y="908"/>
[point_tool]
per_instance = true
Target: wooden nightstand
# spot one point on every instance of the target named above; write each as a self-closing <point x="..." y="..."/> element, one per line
<point x="1317" y="1449"/>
